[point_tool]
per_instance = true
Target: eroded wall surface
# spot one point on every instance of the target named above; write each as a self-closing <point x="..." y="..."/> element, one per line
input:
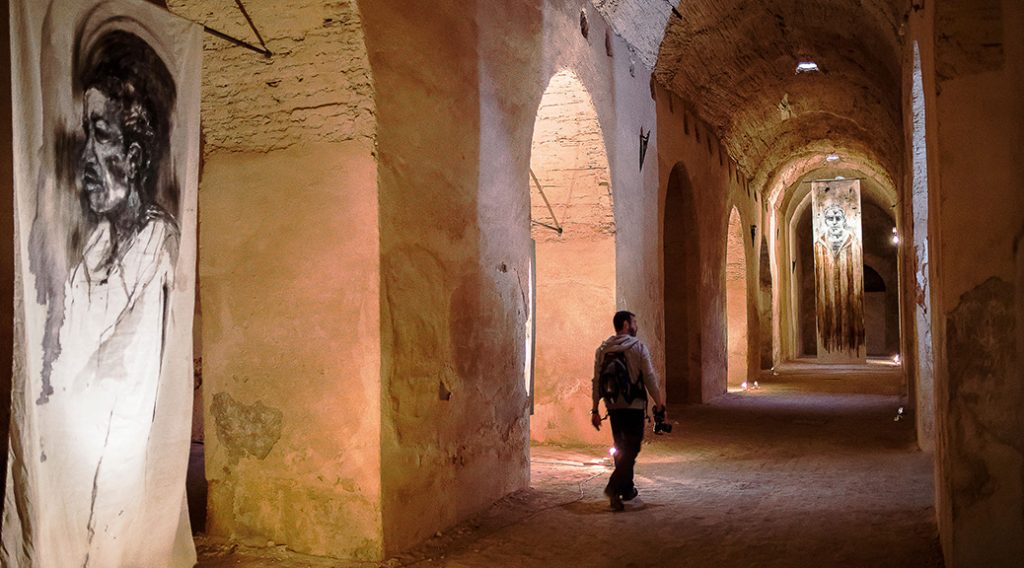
<point x="973" y="73"/>
<point x="289" y="279"/>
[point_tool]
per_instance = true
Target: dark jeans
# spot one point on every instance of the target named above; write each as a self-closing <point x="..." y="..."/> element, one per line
<point x="628" y="433"/>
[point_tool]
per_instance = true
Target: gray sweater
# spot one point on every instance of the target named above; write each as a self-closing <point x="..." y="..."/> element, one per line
<point x="638" y="361"/>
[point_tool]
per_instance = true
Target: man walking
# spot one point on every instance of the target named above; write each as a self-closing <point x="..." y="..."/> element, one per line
<point x="624" y="377"/>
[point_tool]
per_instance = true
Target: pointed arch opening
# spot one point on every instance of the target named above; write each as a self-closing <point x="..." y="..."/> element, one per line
<point x="736" y="301"/>
<point x="681" y="260"/>
<point x="767" y="319"/>
<point x="573" y="230"/>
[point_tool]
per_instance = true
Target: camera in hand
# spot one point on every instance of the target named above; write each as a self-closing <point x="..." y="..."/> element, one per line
<point x="660" y="426"/>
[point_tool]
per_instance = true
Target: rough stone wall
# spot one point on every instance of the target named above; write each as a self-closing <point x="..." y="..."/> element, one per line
<point x="455" y="131"/>
<point x="315" y="88"/>
<point x="569" y="159"/>
<point x="575" y="269"/>
<point x="975" y="117"/>
<point x="289" y="280"/>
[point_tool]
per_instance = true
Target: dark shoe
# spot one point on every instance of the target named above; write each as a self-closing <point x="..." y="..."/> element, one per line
<point x="630" y="495"/>
<point x="614" y="500"/>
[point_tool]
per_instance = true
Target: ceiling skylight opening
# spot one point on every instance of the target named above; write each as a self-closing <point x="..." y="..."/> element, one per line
<point x="807" y="67"/>
<point x="832" y="158"/>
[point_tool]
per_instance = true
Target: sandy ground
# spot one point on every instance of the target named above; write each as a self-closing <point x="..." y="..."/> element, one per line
<point x="802" y="472"/>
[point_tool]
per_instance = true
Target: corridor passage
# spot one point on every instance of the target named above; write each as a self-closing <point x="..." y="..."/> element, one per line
<point x="801" y="472"/>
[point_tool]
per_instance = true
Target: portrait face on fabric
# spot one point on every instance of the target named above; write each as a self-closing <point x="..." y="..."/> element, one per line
<point x="108" y="169"/>
<point x="106" y="104"/>
<point x="839" y="270"/>
<point x="119" y="162"/>
<point x="835" y="225"/>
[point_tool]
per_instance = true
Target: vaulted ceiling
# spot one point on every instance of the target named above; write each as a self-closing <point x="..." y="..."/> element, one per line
<point x="735" y="60"/>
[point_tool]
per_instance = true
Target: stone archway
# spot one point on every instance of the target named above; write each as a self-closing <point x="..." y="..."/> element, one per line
<point x="681" y="258"/>
<point x="573" y="228"/>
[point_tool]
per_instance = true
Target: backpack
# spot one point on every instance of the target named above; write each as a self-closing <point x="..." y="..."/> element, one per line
<point x="614" y="381"/>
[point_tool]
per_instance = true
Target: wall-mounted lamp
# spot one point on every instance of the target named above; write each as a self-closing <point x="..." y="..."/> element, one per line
<point x="895" y="237"/>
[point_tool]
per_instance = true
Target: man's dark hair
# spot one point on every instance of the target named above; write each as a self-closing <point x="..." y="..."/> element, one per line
<point x="127" y="70"/>
<point x="621" y="319"/>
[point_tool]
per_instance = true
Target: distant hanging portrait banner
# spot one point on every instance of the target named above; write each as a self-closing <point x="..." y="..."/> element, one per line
<point x="106" y="152"/>
<point x="839" y="269"/>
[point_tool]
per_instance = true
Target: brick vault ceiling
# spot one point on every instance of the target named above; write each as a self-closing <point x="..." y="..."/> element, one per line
<point x="735" y="61"/>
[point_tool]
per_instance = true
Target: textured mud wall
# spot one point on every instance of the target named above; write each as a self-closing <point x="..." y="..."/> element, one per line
<point x="289" y="280"/>
<point x="697" y="353"/>
<point x="973" y="74"/>
<point x="455" y="122"/>
<point x="575" y="269"/>
<point x="315" y="88"/>
<point x="292" y="355"/>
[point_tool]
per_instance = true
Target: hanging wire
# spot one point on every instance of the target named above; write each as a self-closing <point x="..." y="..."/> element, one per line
<point x="239" y="42"/>
<point x="556" y="227"/>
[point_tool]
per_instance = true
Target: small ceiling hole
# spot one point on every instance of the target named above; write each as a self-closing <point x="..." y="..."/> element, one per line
<point x="807" y="67"/>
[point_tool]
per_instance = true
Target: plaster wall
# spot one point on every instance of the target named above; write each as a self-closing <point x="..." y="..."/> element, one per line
<point x="289" y="280"/>
<point x="716" y="184"/>
<point x="455" y="131"/>
<point x="292" y="351"/>
<point x="973" y="74"/>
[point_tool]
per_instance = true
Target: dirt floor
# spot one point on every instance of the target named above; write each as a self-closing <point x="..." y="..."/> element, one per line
<point x="801" y="472"/>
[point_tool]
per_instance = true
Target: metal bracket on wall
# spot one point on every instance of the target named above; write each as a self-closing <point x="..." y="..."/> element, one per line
<point x="556" y="227"/>
<point x="242" y="43"/>
<point x="644" y="140"/>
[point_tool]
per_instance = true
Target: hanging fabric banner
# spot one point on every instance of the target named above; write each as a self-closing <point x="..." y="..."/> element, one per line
<point x="839" y="270"/>
<point x="106" y="154"/>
